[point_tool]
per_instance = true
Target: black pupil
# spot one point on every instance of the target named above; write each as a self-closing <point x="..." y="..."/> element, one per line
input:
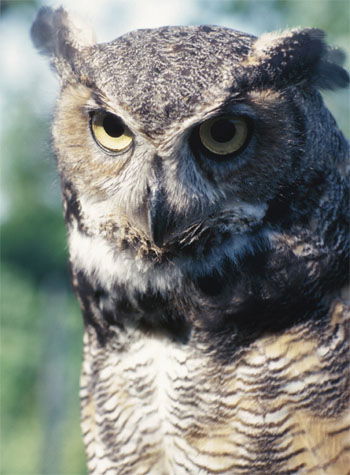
<point x="223" y="130"/>
<point x="113" y="126"/>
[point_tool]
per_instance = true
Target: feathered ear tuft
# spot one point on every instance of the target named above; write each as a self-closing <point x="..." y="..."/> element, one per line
<point x="296" y="56"/>
<point x="55" y="34"/>
<point x="42" y="32"/>
<point x="329" y="73"/>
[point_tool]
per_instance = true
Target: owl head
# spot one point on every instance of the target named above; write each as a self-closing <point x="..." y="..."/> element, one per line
<point x="201" y="156"/>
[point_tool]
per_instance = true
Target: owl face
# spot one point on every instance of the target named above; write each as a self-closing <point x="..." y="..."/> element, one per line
<point x="214" y="167"/>
<point x="188" y="152"/>
<point x="181" y="145"/>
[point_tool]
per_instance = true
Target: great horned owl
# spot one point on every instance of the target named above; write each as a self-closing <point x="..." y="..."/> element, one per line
<point x="206" y="206"/>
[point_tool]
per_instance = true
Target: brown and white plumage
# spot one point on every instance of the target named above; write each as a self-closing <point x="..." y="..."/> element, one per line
<point x="280" y="406"/>
<point x="207" y="215"/>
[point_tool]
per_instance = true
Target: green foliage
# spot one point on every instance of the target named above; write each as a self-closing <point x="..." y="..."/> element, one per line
<point x="34" y="219"/>
<point x="41" y="325"/>
<point x="40" y="354"/>
<point x="8" y="5"/>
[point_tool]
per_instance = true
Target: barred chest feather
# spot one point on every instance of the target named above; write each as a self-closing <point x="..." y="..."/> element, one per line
<point x="155" y="405"/>
<point x="226" y="374"/>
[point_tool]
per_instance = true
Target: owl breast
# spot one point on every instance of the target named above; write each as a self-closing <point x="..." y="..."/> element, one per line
<point x="157" y="406"/>
<point x="139" y="391"/>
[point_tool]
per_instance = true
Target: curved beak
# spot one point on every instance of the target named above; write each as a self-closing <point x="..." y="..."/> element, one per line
<point x="154" y="216"/>
<point x="157" y="216"/>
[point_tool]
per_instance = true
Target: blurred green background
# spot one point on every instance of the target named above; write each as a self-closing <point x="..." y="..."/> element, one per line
<point x="41" y="327"/>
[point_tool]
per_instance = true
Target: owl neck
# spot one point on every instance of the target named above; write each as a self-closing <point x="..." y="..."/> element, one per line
<point x="267" y="291"/>
<point x="292" y="269"/>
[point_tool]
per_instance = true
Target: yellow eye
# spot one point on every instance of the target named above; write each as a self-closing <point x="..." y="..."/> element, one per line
<point x="225" y="134"/>
<point x="110" y="132"/>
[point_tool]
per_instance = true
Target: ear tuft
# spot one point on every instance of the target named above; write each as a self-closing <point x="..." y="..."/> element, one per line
<point x="296" y="56"/>
<point x="329" y="73"/>
<point x="55" y="34"/>
<point x="42" y="31"/>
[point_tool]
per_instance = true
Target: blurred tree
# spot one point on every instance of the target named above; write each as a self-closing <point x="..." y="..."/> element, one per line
<point x="7" y="5"/>
<point x="33" y="236"/>
<point x="41" y="326"/>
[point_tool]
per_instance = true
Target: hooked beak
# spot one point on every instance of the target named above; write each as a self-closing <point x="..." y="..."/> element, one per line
<point x="154" y="216"/>
<point x="157" y="216"/>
